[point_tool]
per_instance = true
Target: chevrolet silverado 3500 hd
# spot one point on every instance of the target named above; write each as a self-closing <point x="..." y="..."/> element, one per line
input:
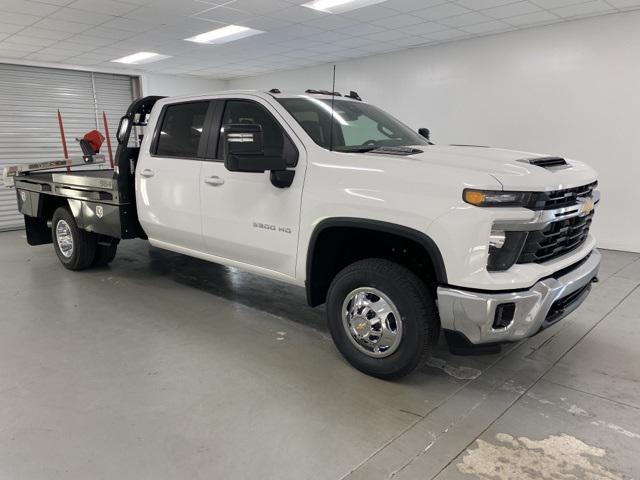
<point x="399" y="237"/>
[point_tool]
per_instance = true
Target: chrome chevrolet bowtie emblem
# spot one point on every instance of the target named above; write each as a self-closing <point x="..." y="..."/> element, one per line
<point x="586" y="206"/>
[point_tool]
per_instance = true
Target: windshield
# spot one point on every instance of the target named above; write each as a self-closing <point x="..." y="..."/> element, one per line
<point x="357" y="127"/>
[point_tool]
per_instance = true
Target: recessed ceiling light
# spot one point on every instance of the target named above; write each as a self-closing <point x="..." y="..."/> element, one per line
<point x="339" y="6"/>
<point x="141" y="57"/>
<point x="224" y="34"/>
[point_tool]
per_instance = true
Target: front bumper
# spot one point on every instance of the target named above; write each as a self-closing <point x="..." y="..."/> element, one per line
<point x="473" y="314"/>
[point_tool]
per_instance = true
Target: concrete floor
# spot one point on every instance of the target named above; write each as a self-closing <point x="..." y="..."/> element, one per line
<point x="166" y="367"/>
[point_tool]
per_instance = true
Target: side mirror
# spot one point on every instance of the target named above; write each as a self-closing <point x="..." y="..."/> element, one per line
<point x="243" y="150"/>
<point x="123" y="129"/>
<point x="425" y="133"/>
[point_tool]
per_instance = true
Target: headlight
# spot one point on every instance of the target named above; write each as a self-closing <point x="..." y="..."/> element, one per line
<point x="495" y="198"/>
<point x="504" y="249"/>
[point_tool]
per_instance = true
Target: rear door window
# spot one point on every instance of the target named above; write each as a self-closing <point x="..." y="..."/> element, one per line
<point x="181" y="130"/>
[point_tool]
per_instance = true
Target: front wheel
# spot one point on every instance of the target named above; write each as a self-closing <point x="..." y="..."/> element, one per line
<point x="76" y="249"/>
<point x="382" y="318"/>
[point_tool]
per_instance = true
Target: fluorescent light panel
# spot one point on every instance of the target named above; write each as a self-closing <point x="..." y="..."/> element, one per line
<point x="339" y="6"/>
<point x="224" y="35"/>
<point x="140" y="58"/>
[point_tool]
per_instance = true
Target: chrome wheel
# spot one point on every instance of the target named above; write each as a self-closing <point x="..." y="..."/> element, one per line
<point x="372" y="322"/>
<point x="64" y="238"/>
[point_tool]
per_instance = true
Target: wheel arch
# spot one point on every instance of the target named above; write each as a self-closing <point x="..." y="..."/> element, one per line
<point x="319" y="272"/>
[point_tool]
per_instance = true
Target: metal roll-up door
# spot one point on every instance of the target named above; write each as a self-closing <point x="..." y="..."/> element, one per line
<point x="113" y="97"/>
<point x="29" y="100"/>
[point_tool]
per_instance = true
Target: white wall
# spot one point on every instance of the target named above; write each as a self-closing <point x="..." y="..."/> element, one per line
<point x="569" y="89"/>
<point x="172" y="85"/>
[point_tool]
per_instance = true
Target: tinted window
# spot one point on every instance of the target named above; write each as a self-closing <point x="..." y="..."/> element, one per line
<point x="181" y="129"/>
<point x="357" y="126"/>
<point x="243" y="111"/>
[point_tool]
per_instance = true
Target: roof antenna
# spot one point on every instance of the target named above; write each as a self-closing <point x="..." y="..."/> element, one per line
<point x="333" y="97"/>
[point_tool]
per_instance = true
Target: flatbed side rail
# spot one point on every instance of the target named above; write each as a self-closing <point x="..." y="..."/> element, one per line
<point x="9" y="173"/>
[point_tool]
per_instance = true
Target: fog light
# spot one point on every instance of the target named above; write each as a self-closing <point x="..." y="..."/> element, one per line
<point x="504" y="315"/>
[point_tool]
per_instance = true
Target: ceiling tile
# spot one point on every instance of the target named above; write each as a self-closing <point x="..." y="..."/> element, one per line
<point x="331" y="22"/>
<point x="81" y="16"/>
<point x="424" y="28"/>
<point x="17" y="18"/>
<point x="412" y="5"/>
<point x="493" y="26"/>
<point x="482" y="4"/>
<point x="386" y="35"/>
<point x="44" y="33"/>
<point x="583" y="9"/>
<point x="441" y="11"/>
<point x="623" y="4"/>
<point x="360" y="29"/>
<point x="92" y="32"/>
<point x="398" y="21"/>
<point x="7" y="28"/>
<point x="27" y="7"/>
<point x="450" y="34"/>
<point x="63" y="26"/>
<point x="542" y="17"/>
<point x="373" y="12"/>
<point x="511" y="10"/>
<point x="18" y="47"/>
<point x="22" y="39"/>
<point x="128" y="24"/>
<point x="110" y="7"/>
<point x="465" y="19"/>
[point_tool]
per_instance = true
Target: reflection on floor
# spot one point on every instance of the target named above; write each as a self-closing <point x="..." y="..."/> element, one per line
<point x="165" y="367"/>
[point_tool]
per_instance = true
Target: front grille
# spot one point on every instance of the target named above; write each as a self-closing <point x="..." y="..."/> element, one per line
<point x="557" y="239"/>
<point x="561" y="198"/>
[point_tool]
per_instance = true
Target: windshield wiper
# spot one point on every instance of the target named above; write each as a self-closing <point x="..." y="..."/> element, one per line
<point x="356" y="149"/>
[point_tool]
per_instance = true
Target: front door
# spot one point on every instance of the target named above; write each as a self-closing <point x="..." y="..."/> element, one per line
<point x="168" y="176"/>
<point x="245" y="218"/>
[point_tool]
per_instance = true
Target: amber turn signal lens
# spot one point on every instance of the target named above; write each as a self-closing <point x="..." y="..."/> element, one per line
<point x="474" y="197"/>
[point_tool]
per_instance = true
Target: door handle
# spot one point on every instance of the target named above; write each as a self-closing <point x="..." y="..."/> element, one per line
<point x="215" y="181"/>
<point x="147" y="172"/>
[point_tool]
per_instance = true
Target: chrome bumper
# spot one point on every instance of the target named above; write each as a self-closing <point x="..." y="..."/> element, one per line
<point x="548" y="301"/>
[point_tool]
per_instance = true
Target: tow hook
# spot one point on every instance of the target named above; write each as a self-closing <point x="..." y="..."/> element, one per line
<point x="595" y="280"/>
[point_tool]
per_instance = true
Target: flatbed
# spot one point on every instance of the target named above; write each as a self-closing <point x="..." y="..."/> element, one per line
<point x="102" y="201"/>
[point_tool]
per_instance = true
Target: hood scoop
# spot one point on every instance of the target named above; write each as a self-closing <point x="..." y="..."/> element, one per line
<point x="402" y="151"/>
<point x="546" y="162"/>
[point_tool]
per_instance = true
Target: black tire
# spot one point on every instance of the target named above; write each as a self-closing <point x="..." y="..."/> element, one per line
<point x="84" y="243"/>
<point x="415" y="305"/>
<point x="105" y="252"/>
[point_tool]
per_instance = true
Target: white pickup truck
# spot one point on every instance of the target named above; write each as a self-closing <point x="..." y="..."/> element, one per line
<point x="400" y="238"/>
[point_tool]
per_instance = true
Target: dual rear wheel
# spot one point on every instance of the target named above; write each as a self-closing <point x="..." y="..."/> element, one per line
<point x="78" y="249"/>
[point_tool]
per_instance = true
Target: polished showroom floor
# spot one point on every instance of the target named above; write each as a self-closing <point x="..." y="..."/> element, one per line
<point x="166" y="367"/>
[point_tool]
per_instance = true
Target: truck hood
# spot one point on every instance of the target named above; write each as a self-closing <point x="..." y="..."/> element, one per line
<point x="509" y="167"/>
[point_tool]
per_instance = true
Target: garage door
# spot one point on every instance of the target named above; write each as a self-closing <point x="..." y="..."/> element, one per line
<point x="29" y="100"/>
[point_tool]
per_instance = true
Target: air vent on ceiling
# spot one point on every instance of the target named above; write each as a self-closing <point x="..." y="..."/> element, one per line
<point x="546" y="162"/>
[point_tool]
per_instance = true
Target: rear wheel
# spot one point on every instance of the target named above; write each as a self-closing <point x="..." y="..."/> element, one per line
<point x="382" y="318"/>
<point x="75" y="248"/>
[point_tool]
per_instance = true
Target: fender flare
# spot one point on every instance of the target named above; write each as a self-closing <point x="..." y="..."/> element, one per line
<point x="420" y="238"/>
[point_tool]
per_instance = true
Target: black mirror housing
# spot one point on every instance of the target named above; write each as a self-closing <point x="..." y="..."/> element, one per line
<point x="243" y="150"/>
<point x="425" y="133"/>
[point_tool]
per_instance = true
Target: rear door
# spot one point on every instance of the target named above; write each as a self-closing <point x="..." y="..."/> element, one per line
<point x="168" y="176"/>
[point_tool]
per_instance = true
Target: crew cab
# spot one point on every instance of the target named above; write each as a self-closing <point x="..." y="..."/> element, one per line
<point x="400" y="238"/>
